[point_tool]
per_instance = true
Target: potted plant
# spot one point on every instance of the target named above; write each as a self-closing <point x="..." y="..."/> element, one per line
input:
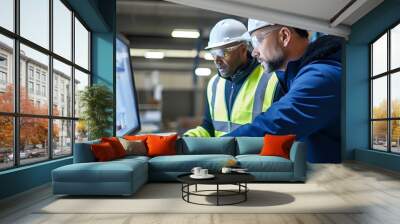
<point x="96" y="102"/>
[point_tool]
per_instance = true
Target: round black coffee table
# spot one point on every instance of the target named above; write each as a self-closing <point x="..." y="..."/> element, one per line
<point x="238" y="179"/>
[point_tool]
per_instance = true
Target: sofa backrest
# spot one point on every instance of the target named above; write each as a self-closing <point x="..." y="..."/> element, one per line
<point x="83" y="152"/>
<point x="191" y="146"/>
<point x="249" y="145"/>
<point x="194" y="145"/>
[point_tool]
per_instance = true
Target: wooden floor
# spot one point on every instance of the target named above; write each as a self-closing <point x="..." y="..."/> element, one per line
<point x="377" y="188"/>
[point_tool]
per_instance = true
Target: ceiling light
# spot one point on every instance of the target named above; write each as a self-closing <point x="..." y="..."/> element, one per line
<point x="202" y="71"/>
<point x="169" y="53"/>
<point x="154" y="55"/>
<point x="183" y="33"/>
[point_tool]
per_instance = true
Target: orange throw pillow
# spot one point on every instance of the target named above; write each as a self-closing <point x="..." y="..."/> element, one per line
<point x="103" y="152"/>
<point x="277" y="145"/>
<point x="136" y="137"/>
<point x="161" y="145"/>
<point x="116" y="145"/>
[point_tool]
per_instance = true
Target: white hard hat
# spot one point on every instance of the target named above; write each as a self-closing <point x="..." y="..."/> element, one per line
<point x="227" y="31"/>
<point x="254" y="24"/>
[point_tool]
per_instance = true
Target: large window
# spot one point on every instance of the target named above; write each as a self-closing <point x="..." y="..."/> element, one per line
<point x="44" y="64"/>
<point x="385" y="92"/>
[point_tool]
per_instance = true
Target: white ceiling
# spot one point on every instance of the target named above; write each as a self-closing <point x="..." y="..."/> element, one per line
<point x="147" y="24"/>
<point x="328" y="16"/>
<point x="322" y="9"/>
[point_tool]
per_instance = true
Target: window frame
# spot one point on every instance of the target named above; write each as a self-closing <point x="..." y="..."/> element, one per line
<point x="388" y="74"/>
<point x="16" y="114"/>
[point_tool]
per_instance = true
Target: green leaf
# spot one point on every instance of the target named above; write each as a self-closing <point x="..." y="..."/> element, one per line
<point x="97" y="104"/>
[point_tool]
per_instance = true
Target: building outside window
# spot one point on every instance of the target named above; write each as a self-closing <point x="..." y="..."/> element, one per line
<point x="30" y="87"/>
<point x="55" y="97"/>
<point x="43" y="90"/>
<point x="3" y="71"/>
<point x="44" y="77"/>
<point x="30" y="72"/>
<point x="3" y="61"/>
<point x="3" y="78"/>
<point x="38" y="89"/>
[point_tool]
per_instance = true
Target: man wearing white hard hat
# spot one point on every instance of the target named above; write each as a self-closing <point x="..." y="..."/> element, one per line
<point x="241" y="89"/>
<point x="310" y="75"/>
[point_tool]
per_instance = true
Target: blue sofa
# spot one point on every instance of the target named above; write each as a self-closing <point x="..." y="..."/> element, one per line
<point x="125" y="176"/>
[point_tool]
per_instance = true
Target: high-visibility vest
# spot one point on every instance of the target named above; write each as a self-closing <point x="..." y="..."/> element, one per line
<point x="255" y="96"/>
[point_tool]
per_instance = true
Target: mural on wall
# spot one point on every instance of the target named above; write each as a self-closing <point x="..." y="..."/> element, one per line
<point x="311" y="105"/>
<point x="300" y="93"/>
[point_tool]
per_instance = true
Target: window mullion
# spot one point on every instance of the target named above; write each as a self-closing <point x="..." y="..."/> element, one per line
<point x="73" y="82"/>
<point x="389" y="106"/>
<point x="50" y="81"/>
<point x="16" y="84"/>
<point x="371" y="99"/>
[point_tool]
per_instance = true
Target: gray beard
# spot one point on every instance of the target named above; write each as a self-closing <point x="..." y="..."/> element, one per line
<point x="272" y="66"/>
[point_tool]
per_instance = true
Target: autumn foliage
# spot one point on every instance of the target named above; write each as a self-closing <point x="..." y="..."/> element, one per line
<point x="380" y="127"/>
<point x="33" y="131"/>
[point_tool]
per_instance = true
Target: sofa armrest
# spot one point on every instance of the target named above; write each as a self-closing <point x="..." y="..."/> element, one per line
<point x="83" y="152"/>
<point x="298" y="157"/>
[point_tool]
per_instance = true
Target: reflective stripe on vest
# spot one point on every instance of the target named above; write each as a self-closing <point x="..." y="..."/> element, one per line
<point x="255" y="96"/>
<point x="225" y="126"/>
<point x="213" y="90"/>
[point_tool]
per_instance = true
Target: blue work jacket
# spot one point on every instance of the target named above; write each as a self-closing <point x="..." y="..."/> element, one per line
<point x="311" y="106"/>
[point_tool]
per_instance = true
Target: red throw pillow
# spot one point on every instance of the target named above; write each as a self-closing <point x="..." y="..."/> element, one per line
<point x="277" y="145"/>
<point x="103" y="152"/>
<point x="116" y="145"/>
<point x="161" y="145"/>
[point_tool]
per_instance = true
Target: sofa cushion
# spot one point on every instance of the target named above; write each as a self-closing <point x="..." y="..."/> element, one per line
<point x="277" y="145"/>
<point x="198" y="146"/>
<point x="136" y="137"/>
<point x="132" y="158"/>
<point x="185" y="163"/>
<point x="257" y="163"/>
<point x="116" y="144"/>
<point x="134" y="147"/>
<point x="112" y="171"/>
<point x="103" y="152"/>
<point x="159" y="145"/>
<point x="249" y="145"/>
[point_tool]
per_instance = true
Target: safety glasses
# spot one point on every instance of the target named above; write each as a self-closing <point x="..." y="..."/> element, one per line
<point x="256" y="40"/>
<point x="223" y="52"/>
